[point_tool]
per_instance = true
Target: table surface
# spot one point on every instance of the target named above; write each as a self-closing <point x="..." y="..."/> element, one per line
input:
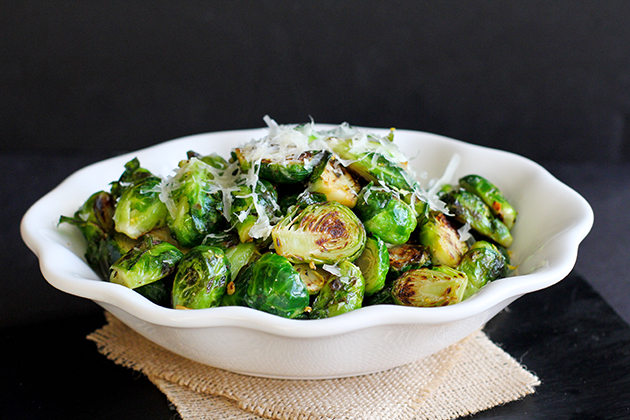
<point x="569" y="335"/>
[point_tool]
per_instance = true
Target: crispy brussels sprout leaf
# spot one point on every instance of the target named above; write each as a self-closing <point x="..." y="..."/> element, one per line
<point x="321" y="233"/>
<point x="439" y="286"/>
<point x="201" y="279"/>
<point x="385" y="215"/>
<point x="374" y="264"/>
<point x="147" y="262"/>
<point x="492" y="196"/>
<point x="276" y="287"/>
<point x="340" y="294"/>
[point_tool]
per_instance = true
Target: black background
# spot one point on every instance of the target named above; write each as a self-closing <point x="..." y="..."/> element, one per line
<point x="549" y="80"/>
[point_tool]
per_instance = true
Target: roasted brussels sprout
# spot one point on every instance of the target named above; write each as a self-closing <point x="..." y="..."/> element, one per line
<point x="145" y="263"/>
<point x="469" y="208"/>
<point x="132" y="174"/>
<point x="341" y="294"/>
<point x="252" y="209"/>
<point x="442" y="240"/>
<point x="239" y="256"/>
<point x="139" y="208"/>
<point x="158" y="292"/>
<point x="492" y="196"/>
<point x="321" y="233"/>
<point x="372" y="162"/>
<point x="237" y="288"/>
<point x="335" y="182"/>
<point x="405" y="257"/>
<point x="276" y="287"/>
<point x="482" y="263"/>
<point x="313" y="278"/>
<point x="302" y="200"/>
<point x="201" y="278"/>
<point x="293" y="169"/>
<point x="374" y="264"/>
<point x="193" y="209"/>
<point x="385" y="215"/>
<point x="437" y="286"/>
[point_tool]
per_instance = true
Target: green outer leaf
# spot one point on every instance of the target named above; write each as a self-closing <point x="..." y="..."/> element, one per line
<point x="201" y="278"/>
<point x="276" y="287"/>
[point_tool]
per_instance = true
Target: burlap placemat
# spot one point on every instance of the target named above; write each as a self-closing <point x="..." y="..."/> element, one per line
<point x="467" y="377"/>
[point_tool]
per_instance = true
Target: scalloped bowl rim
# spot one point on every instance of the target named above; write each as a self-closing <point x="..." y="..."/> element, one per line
<point x="67" y="271"/>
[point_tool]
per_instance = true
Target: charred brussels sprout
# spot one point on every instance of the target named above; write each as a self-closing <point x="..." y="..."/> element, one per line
<point x="201" y="279"/>
<point x="335" y="182"/>
<point x="442" y="240"/>
<point x="405" y="257"/>
<point x="158" y="292"/>
<point x="492" y="196"/>
<point x="340" y="294"/>
<point x="482" y="263"/>
<point x="250" y="208"/>
<point x="321" y="233"/>
<point x="194" y="210"/>
<point x="374" y="264"/>
<point x="139" y="208"/>
<point x="439" y="286"/>
<point x="469" y="208"/>
<point x="276" y="287"/>
<point x="147" y="262"/>
<point x="385" y="215"/>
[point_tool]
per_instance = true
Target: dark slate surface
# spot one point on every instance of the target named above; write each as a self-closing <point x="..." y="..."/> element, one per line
<point x="567" y="335"/>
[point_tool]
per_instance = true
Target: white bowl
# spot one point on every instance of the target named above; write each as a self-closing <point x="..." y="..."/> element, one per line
<point x="553" y="219"/>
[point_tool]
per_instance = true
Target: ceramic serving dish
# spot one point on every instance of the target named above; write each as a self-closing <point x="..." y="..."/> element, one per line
<point x="553" y="219"/>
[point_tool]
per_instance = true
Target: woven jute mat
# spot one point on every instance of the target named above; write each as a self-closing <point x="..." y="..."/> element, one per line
<point x="467" y="377"/>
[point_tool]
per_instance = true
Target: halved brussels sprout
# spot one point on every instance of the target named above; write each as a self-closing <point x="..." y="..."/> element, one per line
<point x="482" y="263"/>
<point x="147" y="262"/>
<point x="374" y="264"/>
<point x="385" y="215"/>
<point x="95" y="217"/>
<point x="321" y="233"/>
<point x="340" y="294"/>
<point x="193" y="209"/>
<point x="442" y="240"/>
<point x="132" y="174"/>
<point x="335" y="182"/>
<point x="438" y="286"/>
<point x="492" y="196"/>
<point x="405" y="257"/>
<point x="276" y="287"/>
<point x="469" y="208"/>
<point x="201" y="279"/>
<point x="313" y="278"/>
